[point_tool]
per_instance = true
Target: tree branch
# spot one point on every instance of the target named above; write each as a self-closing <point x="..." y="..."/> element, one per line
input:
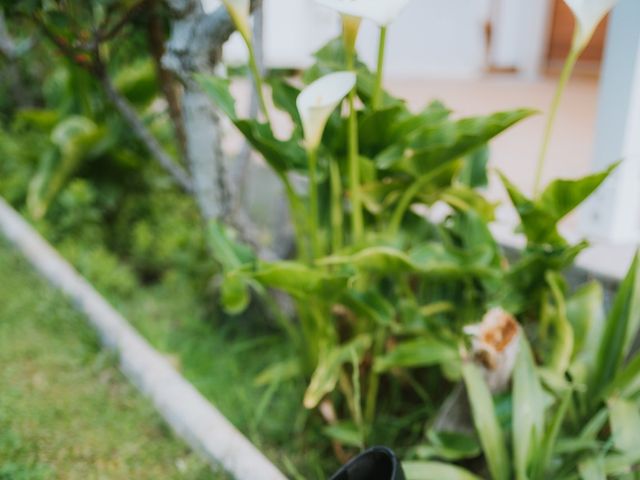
<point x="178" y="173"/>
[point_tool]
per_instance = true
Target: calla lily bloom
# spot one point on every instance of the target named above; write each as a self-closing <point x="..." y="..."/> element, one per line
<point x="588" y="14"/>
<point x="381" y="12"/>
<point x="317" y="101"/>
<point x="240" y="11"/>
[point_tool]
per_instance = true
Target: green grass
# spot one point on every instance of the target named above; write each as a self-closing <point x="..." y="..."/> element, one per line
<point x="65" y="410"/>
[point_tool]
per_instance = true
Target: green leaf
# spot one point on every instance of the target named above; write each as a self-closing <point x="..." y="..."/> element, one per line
<point x="562" y="196"/>
<point x="619" y="331"/>
<point x="453" y="445"/>
<point x="474" y="169"/>
<point x="217" y="88"/>
<point x="420" y="352"/>
<point x="624" y="419"/>
<point x="281" y="155"/>
<point x="327" y="372"/>
<point x="528" y="411"/>
<point x="436" y="471"/>
<point x="562" y="341"/>
<point x="345" y="433"/>
<point x="225" y="249"/>
<point x="430" y="259"/>
<point x="77" y="139"/>
<point x="284" y="97"/>
<point x="278" y="372"/>
<point x="438" y="144"/>
<point x="592" y="469"/>
<point x="627" y="382"/>
<point x="300" y="280"/>
<point x="540" y="217"/>
<point x="234" y="294"/>
<point x="585" y="313"/>
<point x="486" y="423"/>
<point x="370" y="304"/>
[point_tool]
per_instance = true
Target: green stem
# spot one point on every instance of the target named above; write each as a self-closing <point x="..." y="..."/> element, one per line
<point x="336" y="206"/>
<point x="405" y="200"/>
<point x="357" y="222"/>
<point x="374" y="380"/>
<point x="257" y="78"/>
<point x="377" y="91"/>
<point x="569" y="63"/>
<point x="297" y="214"/>
<point x="313" y="201"/>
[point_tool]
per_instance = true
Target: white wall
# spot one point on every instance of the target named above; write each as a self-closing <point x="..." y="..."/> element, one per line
<point x="431" y="37"/>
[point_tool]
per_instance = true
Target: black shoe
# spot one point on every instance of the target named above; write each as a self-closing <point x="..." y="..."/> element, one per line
<point x="377" y="463"/>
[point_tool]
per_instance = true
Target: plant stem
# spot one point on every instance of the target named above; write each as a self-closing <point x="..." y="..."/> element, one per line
<point x="357" y="222"/>
<point x="374" y="380"/>
<point x="405" y="200"/>
<point x="569" y="63"/>
<point x="257" y="78"/>
<point x="377" y="91"/>
<point x="336" y="206"/>
<point x="297" y="214"/>
<point x="312" y="154"/>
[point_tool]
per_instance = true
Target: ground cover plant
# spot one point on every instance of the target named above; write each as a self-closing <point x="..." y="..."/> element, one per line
<point x="398" y="312"/>
<point x="65" y="410"/>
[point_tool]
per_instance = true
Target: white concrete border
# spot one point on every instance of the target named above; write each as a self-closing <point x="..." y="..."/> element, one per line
<point x="190" y="415"/>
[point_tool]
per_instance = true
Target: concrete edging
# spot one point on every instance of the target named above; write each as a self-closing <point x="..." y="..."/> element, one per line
<point x="188" y="413"/>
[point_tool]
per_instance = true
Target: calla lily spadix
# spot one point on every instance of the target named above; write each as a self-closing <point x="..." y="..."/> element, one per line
<point x="381" y="12"/>
<point x="588" y="14"/>
<point x="316" y="102"/>
<point x="240" y="12"/>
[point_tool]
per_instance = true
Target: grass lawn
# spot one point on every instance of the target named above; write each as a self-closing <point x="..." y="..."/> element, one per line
<point x="65" y="409"/>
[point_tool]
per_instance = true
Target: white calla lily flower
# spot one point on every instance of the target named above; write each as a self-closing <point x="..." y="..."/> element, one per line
<point x="588" y="14"/>
<point x="316" y="102"/>
<point x="240" y="12"/>
<point x="381" y="12"/>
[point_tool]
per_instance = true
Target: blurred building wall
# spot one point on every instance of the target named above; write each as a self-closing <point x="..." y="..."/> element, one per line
<point x="431" y="37"/>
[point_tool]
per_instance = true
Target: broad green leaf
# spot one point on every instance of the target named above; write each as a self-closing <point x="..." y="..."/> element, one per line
<point x="528" y="411"/>
<point x="624" y="419"/>
<point x="437" y="144"/>
<point x="436" y="471"/>
<point x="375" y="129"/>
<point x="280" y="155"/>
<point x="77" y="139"/>
<point x="619" y="331"/>
<point x="225" y="249"/>
<point x="284" y="97"/>
<point x="431" y="259"/>
<point x="627" y="382"/>
<point x="327" y="372"/>
<point x="540" y="217"/>
<point x="279" y="372"/>
<point x="562" y="196"/>
<point x="217" y="88"/>
<point x="137" y="81"/>
<point x="234" y="294"/>
<point x="371" y="305"/>
<point x="434" y="114"/>
<point x="420" y="352"/>
<point x="300" y="280"/>
<point x="486" y="423"/>
<point x="592" y="469"/>
<point x="453" y="446"/>
<point x="474" y="169"/>
<point x="345" y="433"/>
